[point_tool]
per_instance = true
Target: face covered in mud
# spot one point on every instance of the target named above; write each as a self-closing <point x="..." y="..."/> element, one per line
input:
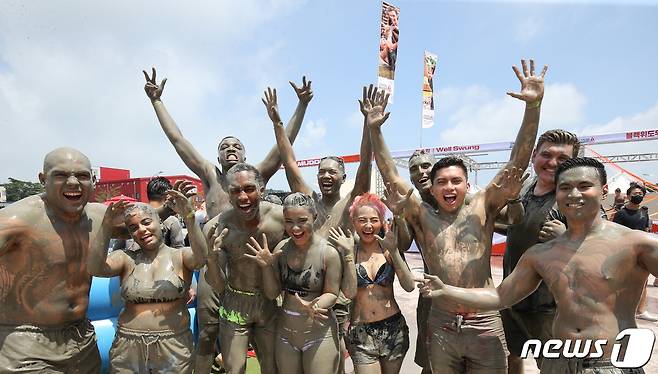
<point x="68" y="181"/>
<point x="419" y="172"/>
<point x="230" y="152"/>
<point x="245" y="193"/>
<point x="143" y="224"/>
<point x="331" y="175"/>
<point x="449" y="188"/>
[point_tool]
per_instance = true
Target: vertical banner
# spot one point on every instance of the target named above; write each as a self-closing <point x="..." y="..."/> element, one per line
<point x="388" y="48"/>
<point x="429" y="62"/>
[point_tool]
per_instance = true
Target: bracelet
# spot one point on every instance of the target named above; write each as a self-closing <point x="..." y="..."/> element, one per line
<point x="349" y="258"/>
<point x="533" y="105"/>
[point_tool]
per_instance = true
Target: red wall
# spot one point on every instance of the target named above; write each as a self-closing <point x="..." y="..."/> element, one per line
<point x="136" y="187"/>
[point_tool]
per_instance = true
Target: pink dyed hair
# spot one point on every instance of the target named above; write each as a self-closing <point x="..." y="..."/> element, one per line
<point x="371" y="200"/>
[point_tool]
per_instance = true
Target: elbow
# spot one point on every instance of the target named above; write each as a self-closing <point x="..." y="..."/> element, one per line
<point x="272" y="293"/>
<point x="349" y="292"/>
<point x="408" y="286"/>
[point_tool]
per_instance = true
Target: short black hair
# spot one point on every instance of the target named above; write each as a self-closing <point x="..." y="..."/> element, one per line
<point x="559" y="136"/>
<point x="339" y="160"/>
<point x="635" y="185"/>
<point x="157" y="188"/>
<point x="583" y="161"/>
<point x="617" y="189"/>
<point x="243" y="166"/>
<point x="447" y="162"/>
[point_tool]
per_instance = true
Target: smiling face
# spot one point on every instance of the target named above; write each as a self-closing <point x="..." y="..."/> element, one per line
<point x="144" y="227"/>
<point x="449" y="188"/>
<point x="298" y="221"/>
<point x="230" y="152"/>
<point x="68" y="181"/>
<point x="419" y="172"/>
<point x="245" y="193"/>
<point x="330" y="177"/>
<point x="367" y="223"/>
<point x="579" y="193"/>
<point x="546" y="159"/>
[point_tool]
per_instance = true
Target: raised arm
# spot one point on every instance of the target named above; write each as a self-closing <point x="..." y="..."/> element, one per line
<point x="517" y="286"/>
<point x="195" y="256"/>
<point x="532" y="92"/>
<point x="216" y="260"/>
<point x="98" y="262"/>
<point x="293" y="173"/>
<point x="203" y="168"/>
<point x="390" y="245"/>
<point x="363" y="173"/>
<point x="267" y="261"/>
<point x="272" y="162"/>
<point x="344" y="245"/>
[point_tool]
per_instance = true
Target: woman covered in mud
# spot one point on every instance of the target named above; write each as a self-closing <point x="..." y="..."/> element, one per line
<point x="308" y="271"/>
<point x="378" y="336"/>
<point x="153" y="333"/>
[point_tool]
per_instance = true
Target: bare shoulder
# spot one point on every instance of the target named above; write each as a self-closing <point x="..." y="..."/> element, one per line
<point x="95" y="210"/>
<point x="541" y="251"/>
<point x="27" y="209"/>
<point x="271" y="210"/>
<point x="330" y="252"/>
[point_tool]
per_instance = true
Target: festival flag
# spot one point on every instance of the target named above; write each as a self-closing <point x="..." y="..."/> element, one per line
<point x="388" y="48"/>
<point x="429" y="63"/>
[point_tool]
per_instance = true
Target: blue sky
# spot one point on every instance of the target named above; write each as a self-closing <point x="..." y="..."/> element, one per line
<point x="70" y="74"/>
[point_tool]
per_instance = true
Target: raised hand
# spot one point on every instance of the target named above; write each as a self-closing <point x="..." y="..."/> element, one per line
<point x="261" y="254"/>
<point x="551" y="230"/>
<point x="311" y="308"/>
<point x="369" y="92"/>
<point x="304" y="93"/>
<point x="510" y="183"/>
<point x="343" y="242"/>
<point x="532" y="86"/>
<point x="389" y="242"/>
<point x="217" y="252"/>
<point x="153" y="91"/>
<point x="374" y="109"/>
<point x="114" y="212"/>
<point x="179" y="203"/>
<point x="270" y="102"/>
<point x="431" y="286"/>
<point x="394" y="200"/>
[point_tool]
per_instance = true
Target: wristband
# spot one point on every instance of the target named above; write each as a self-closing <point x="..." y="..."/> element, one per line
<point x="349" y="258"/>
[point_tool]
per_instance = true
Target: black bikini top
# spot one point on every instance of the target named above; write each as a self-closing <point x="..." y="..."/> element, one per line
<point x="384" y="277"/>
<point x="305" y="281"/>
<point x="139" y="291"/>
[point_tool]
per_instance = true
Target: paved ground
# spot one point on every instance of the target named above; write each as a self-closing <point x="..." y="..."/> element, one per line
<point x="408" y="301"/>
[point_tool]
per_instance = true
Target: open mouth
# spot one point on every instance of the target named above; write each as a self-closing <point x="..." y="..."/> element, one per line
<point x="423" y="180"/>
<point x="147" y="238"/>
<point x="245" y="208"/>
<point x="298" y="236"/>
<point x="327" y="185"/>
<point x="231" y="157"/>
<point x="549" y="171"/>
<point x="450" y="199"/>
<point x="73" y="196"/>
<point x="575" y="205"/>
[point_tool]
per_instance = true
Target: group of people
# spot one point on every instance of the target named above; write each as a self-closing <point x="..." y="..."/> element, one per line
<point x="308" y="279"/>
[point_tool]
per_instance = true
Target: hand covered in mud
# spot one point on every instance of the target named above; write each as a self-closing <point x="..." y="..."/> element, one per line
<point x="394" y="200"/>
<point x="551" y="230"/>
<point x="153" y="91"/>
<point x="343" y="242"/>
<point x="374" y="108"/>
<point x="389" y="242"/>
<point x="510" y="183"/>
<point x="430" y="286"/>
<point x="311" y="308"/>
<point x="532" y="86"/>
<point x="180" y="204"/>
<point x="270" y="102"/>
<point x="304" y="93"/>
<point x="261" y="254"/>
<point x="217" y="252"/>
<point x="114" y="213"/>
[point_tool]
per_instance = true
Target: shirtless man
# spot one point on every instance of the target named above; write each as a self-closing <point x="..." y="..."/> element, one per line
<point x="44" y="283"/>
<point x="230" y="152"/>
<point x="332" y="211"/>
<point x="244" y="312"/>
<point x="595" y="271"/>
<point x="456" y="238"/>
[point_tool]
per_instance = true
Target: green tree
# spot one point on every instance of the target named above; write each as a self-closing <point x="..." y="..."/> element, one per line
<point x="18" y="189"/>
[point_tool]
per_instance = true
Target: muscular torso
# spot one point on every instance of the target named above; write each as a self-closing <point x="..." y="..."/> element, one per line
<point x="244" y="274"/>
<point x="457" y="248"/>
<point x="597" y="283"/>
<point x="216" y="191"/>
<point x="328" y="216"/>
<point x="43" y="265"/>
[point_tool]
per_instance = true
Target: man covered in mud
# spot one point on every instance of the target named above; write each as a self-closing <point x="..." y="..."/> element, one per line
<point x="230" y="152"/>
<point x="44" y="283"/>
<point x="456" y="239"/>
<point x="595" y="271"/>
<point x="245" y="313"/>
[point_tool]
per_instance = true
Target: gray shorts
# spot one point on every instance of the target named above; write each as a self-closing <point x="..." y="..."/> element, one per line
<point x="523" y="326"/>
<point x="69" y="348"/>
<point x="473" y="343"/>
<point x="142" y="351"/>
<point x="386" y="339"/>
<point x="583" y="366"/>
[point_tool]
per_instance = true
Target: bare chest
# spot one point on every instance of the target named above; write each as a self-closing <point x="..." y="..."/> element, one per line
<point x="217" y="199"/>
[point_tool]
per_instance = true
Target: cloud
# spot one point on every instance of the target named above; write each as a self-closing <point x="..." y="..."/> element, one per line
<point x="312" y="135"/>
<point x="478" y="116"/>
<point x="528" y="29"/>
<point x="70" y="74"/>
